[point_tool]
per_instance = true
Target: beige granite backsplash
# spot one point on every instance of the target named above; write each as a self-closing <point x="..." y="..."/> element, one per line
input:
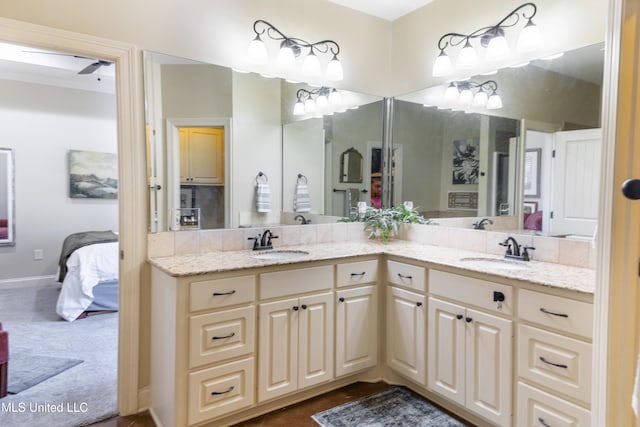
<point x="555" y="250"/>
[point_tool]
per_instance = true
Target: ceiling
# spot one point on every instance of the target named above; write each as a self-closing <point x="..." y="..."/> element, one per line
<point x="385" y="9"/>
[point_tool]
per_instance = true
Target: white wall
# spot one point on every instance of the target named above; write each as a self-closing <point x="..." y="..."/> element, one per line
<point x="41" y="124"/>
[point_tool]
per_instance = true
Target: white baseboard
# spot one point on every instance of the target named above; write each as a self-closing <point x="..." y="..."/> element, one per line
<point x="144" y="398"/>
<point x="28" y="282"/>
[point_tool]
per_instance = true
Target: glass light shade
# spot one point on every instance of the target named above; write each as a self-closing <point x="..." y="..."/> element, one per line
<point x="310" y="106"/>
<point x="298" y="109"/>
<point x="286" y="60"/>
<point x="334" y="70"/>
<point x="451" y="94"/>
<point x="497" y="48"/>
<point x="257" y="51"/>
<point x="443" y="66"/>
<point x="335" y="98"/>
<point x="530" y="38"/>
<point x="481" y="98"/>
<point x="466" y="97"/>
<point x="311" y="65"/>
<point x="468" y="57"/>
<point x="322" y="102"/>
<point x="494" y="102"/>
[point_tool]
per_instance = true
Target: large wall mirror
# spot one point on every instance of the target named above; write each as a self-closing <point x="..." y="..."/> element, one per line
<point x="535" y="159"/>
<point x="7" y="203"/>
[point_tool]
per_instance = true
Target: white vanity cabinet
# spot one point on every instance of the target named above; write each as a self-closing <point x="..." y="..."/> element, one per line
<point x="296" y="336"/>
<point x="470" y="339"/>
<point x="356" y="316"/>
<point x="203" y="346"/>
<point x="554" y="360"/>
<point x="406" y="313"/>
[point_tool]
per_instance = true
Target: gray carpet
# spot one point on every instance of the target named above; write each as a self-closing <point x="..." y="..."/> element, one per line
<point x="394" y="407"/>
<point x="27" y="370"/>
<point x="78" y="396"/>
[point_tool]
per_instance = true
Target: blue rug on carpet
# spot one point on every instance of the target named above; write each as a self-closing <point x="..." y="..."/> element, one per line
<point x="27" y="370"/>
<point x="394" y="407"/>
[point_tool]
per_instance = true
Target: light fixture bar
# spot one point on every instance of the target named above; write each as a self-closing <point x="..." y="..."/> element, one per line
<point x="321" y="100"/>
<point x="492" y="38"/>
<point x="293" y="47"/>
<point x="486" y="94"/>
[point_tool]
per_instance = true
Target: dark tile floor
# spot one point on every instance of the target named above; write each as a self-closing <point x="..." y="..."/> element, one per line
<point x="298" y="415"/>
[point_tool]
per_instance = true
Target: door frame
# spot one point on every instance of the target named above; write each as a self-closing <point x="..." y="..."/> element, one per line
<point x="132" y="198"/>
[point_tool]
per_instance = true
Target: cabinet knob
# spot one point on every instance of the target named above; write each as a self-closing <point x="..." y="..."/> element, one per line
<point x="459" y="316"/>
<point x="468" y="319"/>
<point x="341" y="299"/>
<point x="304" y="306"/>
<point x="296" y="308"/>
<point x="418" y="304"/>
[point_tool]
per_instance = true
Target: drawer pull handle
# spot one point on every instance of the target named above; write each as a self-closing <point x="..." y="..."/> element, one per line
<point x="545" y="311"/>
<point x="358" y="274"/>
<point x="216" y="393"/>
<point x="541" y="421"/>
<point x="341" y="299"/>
<point x="217" y="294"/>
<point x="558" y="365"/>
<point x="232" y="334"/>
<point x="402" y="276"/>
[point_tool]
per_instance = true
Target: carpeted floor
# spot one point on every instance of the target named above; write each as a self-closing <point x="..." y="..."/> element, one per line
<point x="78" y="396"/>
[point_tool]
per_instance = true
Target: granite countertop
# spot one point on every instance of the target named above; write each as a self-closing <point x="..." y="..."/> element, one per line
<point x="536" y="272"/>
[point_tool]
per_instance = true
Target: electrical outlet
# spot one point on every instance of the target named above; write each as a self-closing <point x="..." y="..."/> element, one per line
<point x="38" y="254"/>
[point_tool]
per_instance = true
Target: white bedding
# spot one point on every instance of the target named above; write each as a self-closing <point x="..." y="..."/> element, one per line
<point x="86" y="266"/>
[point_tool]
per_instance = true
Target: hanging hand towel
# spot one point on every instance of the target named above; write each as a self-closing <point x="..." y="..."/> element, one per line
<point x="263" y="195"/>
<point x="301" y="198"/>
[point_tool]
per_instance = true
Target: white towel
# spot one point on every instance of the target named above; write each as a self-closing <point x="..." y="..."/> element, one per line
<point x="301" y="198"/>
<point x="263" y="197"/>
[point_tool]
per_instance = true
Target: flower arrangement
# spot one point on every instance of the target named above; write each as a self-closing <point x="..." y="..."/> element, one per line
<point x="385" y="222"/>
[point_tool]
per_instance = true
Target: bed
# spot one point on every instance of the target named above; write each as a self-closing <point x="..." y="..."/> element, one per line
<point x="88" y="271"/>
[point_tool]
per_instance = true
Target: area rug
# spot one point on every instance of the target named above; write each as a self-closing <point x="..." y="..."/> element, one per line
<point x="27" y="370"/>
<point x="394" y="407"/>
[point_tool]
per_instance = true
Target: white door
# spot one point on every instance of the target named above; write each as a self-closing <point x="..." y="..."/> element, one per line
<point x="447" y="340"/>
<point x="576" y="182"/>
<point x="315" y="352"/>
<point x="406" y="324"/>
<point x="356" y="329"/>
<point x="278" y="349"/>
<point x="488" y="367"/>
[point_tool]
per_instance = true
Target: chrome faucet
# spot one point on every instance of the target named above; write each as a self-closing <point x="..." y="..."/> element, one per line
<point x="513" y="249"/>
<point x="479" y="225"/>
<point x="302" y="219"/>
<point x="263" y="241"/>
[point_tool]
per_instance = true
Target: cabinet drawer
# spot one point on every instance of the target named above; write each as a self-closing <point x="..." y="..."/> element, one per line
<point x="567" y="315"/>
<point x="410" y="276"/>
<point x="356" y="273"/>
<point x="217" y="293"/>
<point x="221" y="335"/>
<point x="476" y="292"/>
<point x="537" y="408"/>
<point x="282" y="283"/>
<point x="557" y="362"/>
<point x="216" y="391"/>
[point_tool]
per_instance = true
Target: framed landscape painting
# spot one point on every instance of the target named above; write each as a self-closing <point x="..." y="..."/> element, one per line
<point x="93" y="175"/>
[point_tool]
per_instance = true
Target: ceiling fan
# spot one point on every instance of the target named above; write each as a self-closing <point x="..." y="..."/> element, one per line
<point x="89" y="69"/>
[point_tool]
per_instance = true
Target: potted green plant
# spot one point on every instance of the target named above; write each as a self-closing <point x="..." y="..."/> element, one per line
<point x="385" y="222"/>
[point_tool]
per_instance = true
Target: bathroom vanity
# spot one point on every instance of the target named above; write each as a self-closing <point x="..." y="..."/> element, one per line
<point x="234" y="336"/>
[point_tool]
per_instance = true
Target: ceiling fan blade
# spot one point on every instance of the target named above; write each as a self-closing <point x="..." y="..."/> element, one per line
<point x="93" y="67"/>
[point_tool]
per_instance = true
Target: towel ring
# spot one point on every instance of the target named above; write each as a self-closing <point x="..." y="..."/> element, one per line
<point x="302" y="178"/>
<point x="261" y="175"/>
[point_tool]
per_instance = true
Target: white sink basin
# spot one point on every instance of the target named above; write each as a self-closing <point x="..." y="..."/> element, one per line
<point x="279" y="254"/>
<point x="493" y="263"/>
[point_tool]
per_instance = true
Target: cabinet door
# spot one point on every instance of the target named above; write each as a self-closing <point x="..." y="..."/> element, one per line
<point x="489" y="366"/>
<point x="184" y="155"/>
<point x="206" y="155"/>
<point x="447" y="341"/>
<point x="356" y="329"/>
<point x="315" y="329"/>
<point x="406" y="327"/>
<point x="278" y="348"/>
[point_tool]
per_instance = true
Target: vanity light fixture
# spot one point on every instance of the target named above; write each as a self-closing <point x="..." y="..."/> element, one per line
<point x="492" y="38"/>
<point x="462" y="93"/>
<point x="291" y="48"/>
<point x="321" y="100"/>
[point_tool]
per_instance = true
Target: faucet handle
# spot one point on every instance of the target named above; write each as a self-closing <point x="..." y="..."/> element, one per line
<point x="508" y="246"/>
<point x="525" y="252"/>
<point x="255" y="241"/>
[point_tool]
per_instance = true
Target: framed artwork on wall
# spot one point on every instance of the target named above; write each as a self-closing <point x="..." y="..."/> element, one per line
<point x="466" y="161"/>
<point x="532" y="159"/>
<point x="93" y="175"/>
